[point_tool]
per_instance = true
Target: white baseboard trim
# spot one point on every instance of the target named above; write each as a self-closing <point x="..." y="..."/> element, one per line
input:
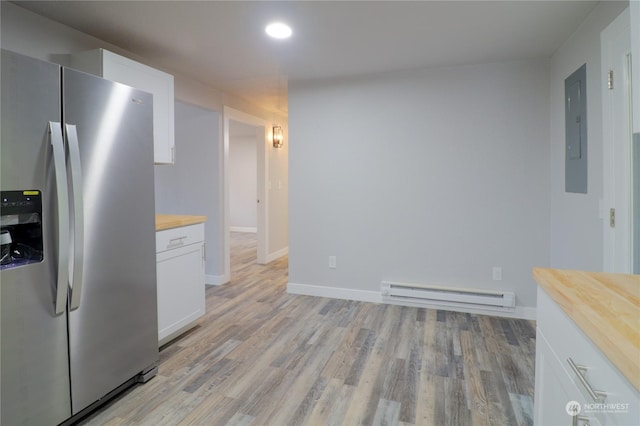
<point x="522" y="312"/>
<point x="334" y="292"/>
<point x="277" y="254"/>
<point x="243" y="229"/>
<point x="526" y="312"/>
<point x="215" y="279"/>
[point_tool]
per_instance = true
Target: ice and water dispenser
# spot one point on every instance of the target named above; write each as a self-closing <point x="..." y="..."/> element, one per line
<point x="20" y="228"/>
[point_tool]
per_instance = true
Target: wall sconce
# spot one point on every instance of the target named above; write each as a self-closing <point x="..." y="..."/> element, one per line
<point x="277" y="137"/>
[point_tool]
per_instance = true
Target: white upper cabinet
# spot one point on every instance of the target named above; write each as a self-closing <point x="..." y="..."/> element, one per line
<point x="635" y="58"/>
<point x="117" y="68"/>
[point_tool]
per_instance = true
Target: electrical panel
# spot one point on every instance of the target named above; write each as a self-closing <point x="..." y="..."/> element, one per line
<point x="575" y="115"/>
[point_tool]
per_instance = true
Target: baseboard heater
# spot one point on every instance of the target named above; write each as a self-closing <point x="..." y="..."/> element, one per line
<point x="425" y="295"/>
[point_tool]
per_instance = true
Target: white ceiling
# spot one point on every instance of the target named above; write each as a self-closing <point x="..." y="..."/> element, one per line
<point x="223" y="43"/>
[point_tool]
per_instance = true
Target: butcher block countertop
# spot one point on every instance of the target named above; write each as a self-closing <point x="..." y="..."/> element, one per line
<point x="168" y="221"/>
<point x="607" y="309"/>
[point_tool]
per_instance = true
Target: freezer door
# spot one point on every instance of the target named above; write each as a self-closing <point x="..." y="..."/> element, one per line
<point x="34" y="358"/>
<point x="113" y="331"/>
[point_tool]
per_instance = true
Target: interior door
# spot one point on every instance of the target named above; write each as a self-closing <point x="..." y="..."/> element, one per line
<point x="35" y="367"/>
<point x="618" y="194"/>
<point x="113" y="330"/>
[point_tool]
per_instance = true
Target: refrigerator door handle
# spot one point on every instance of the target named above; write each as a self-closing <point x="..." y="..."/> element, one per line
<point x="55" y="134"/>
<point x="78" y="216"/>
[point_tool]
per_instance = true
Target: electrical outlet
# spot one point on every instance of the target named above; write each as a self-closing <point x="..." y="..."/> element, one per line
<point x="332" y="262"/>
<point x="497" y="273"/>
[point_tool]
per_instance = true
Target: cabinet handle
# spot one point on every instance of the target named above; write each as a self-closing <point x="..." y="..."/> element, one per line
<point x="580" y="370"/>
<point x="176" y="242"/>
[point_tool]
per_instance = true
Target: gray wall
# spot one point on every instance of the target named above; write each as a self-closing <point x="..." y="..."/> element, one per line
<point x="432" y="176"/>
<point x="576" y="225"/>
<point x="191" y="186"/>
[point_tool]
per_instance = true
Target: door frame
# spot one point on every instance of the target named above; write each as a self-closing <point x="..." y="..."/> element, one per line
<point x="617" y="137"/>
<point x="262" y="229"/>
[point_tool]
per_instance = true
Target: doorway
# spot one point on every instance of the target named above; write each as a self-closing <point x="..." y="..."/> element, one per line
<point x="243" y="192"/>
<point x="237" y="123"/>
<point x="618" y="167"/>
<point x="243" y="177"/>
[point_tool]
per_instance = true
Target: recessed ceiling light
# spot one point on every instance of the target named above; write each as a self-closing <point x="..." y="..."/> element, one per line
<point x="278" y="30"/>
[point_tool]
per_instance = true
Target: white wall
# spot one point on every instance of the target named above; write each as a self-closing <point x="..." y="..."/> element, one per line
<point x="243" y="178"/>
<point x="576" y="224"/>
<point x="279" y="194"/>
<point x="32" y="35"/>
<point x="432" y="176"/>
<point x="190" y="186"/>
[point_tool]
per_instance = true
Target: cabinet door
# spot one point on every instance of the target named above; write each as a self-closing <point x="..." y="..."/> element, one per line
<point x="555" y="390"/>
<point x="158" y="83"/>
<point x="180" y="289"/>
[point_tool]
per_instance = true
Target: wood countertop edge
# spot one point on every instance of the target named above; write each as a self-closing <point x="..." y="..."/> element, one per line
<point x="606" y="307"/>
<point x="170" y="221"/>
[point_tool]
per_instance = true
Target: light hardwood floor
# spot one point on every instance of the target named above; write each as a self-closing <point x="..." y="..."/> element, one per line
<point x="263" y="357"/>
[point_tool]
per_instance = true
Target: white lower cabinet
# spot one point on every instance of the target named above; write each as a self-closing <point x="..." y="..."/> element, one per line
<point x="556" y="395"/>
<point x="560" y="342"/>
<point x="180" y="270"/>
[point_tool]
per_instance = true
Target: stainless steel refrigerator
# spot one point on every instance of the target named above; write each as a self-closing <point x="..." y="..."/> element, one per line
<point x="78" y="278"/>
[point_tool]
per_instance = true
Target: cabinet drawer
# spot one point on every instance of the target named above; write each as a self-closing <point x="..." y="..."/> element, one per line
<point x="569" y="342"/>
<point x="179" y="237"/>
